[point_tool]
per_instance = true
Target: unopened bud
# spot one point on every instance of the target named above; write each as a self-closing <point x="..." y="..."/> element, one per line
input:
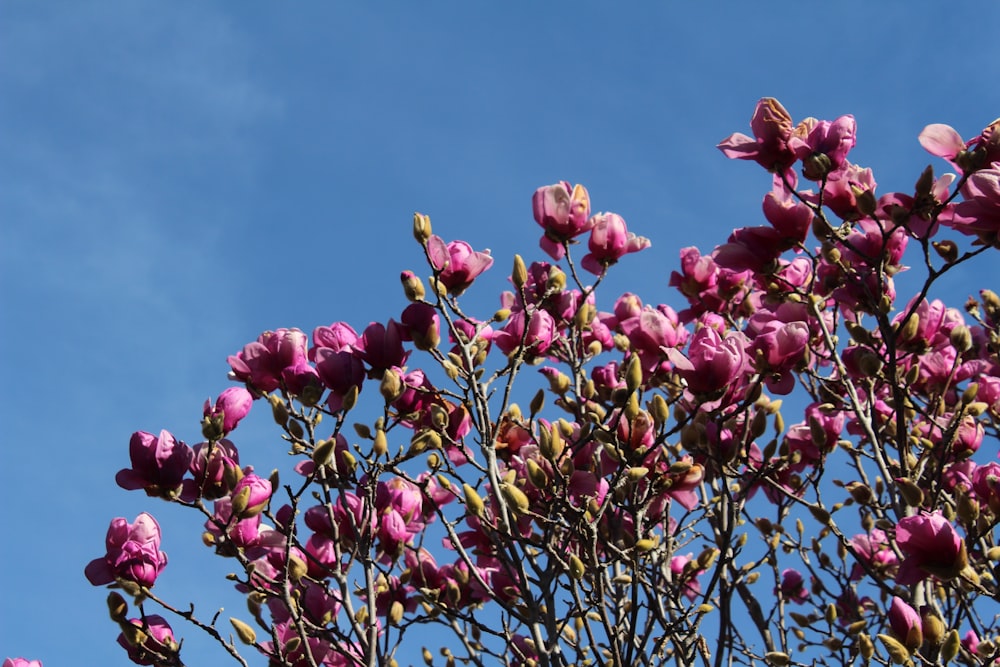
<point x="961" y="338"/>
<point x="278" y="409"/>
<point x="519" y="275"/>
<point x="896" y="650"/>
<point x="576" y="567"/>
<point x="413" y="287"/>
<point x="117" y="607"/>
<point x="381" y="444"/>
<point x="912" y="494"/>
<point x="421" y="228"/>
<point x="952" y="643"/>
<point x="391" y="387"/>
<point x="246" y="634"/>
<point x="323" y="453"/>
<point x="633" y="374"/>
<point x="537" y="476"/>
<point x="515" y="498"/>
<point x="777" y="659"/>
<point x="473" y="501"/>
<point x="946" y="250"/>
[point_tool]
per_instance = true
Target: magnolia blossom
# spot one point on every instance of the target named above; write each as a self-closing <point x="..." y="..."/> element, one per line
<point x="456" y="264"/>
<point x="931" y="547"/>
<point x="793" y="587"/>
<point x="21" y="662"/>
<point x="159" y="640"/>
<point x="232" y="405"/>
<point x="133" y="553"/>
<point x="563" y="212"/>
<point x="262" y="362"/>
<point x="610" y="240"/>
<point x="712" y="362"/>
<point x="158" y="466"/>
<point x="905" y="623"/>
<point x="822" y="145"/>
<point x="772" y="129"/>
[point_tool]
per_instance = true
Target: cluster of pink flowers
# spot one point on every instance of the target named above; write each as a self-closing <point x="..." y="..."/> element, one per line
<point x="664" y="415"/>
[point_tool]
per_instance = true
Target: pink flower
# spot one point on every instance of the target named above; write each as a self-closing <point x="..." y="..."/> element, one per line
<point x="456" y="264"/>
<point x="563" y="212"/>
<point x="158" y="466"/>
<point x="250" y="495"/>
<point x="905" y="623"/>
<point x="610" y="240"/>
<point x="159" y="642"/>
<point x="209" y="468"/>
<point x="650" y="333"/>
<point x="232" y="405"/>
<point x="381" y="347"/>
<point x="685" y="571"/>
<point x="823" y="145"/>
<point x="339" y="371"/>
<point x="793" y="587"/>
<point x="21" y="662"/>
<point x="541" y="331"/>
<point x="261" y="363"/>
<point x="420" y="323"/>
<point x="712" y="363"/>
<point x="931" y="546"/>
<point x="874" y="550"/>
<point x="772" y="129"/>
<point x="133" y="553"/>
<point x="978" y="214"/>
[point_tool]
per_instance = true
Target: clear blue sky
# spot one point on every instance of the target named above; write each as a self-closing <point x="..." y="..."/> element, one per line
<point x="176" y="177"/>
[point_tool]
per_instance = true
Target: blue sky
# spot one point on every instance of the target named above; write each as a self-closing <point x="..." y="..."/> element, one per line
<point x="177" y="177"/>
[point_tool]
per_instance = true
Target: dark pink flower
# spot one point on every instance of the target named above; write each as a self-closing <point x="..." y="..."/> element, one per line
<point x="159" y="642"/>
<point x="251" y="495"/>
<point x="931" y="546"/>
<point x="456" y="264"/>
<point x="133" y="553"/>
<point x="21" y="662"/>
<point x="158" y="466"/>
<point x="873" y="549"/>
<point x="339" y="371"/>
<point x="789" y="217"/>
<point x="905" y="623"/>
<point x="822" y="145"/>
<point x="339" y="336"/>
<point x="772" y="129"/>
<point x="610" y="240"/>
<point x="420" y="324"/>
<point x="793" y="586"/>
<point x="712" y="362"/>
<point x="685" y="572"/>
<point x="262" y="362"/>
<point x="978" y="214"/>
<point x="209" y="468"/>
<point x="541" y="331"/>
<point x="232" y="405"/>
<point x="563" y="212"/>
<point x="381" y="347"/>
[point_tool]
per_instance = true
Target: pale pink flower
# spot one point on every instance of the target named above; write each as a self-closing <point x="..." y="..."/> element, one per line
<point x="456" y="264"/>
<point x="563" y="212"/>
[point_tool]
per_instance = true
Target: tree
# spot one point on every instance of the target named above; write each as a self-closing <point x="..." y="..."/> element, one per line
<point x="648" y="501"/>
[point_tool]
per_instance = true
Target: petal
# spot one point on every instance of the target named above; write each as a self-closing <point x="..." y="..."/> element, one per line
<point x="941" y="140"/>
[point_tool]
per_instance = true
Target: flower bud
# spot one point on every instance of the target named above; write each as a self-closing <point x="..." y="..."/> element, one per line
<point x="952" y="643"/>
<point x="576" y="567"/>
<point x="515" y="498"/>
<point x="961" y="338"/>
<point x="519" y="275"/>
<point x="421" y="228"/>
<point x="473" y="501"/>
<point x="413" y="287"/>
<point x="323" y="453"/>
<point x="946" y="250"/>
<point x="117" y="607"/>
<point x="246" y="634"/>
<point x="381" y="444"/>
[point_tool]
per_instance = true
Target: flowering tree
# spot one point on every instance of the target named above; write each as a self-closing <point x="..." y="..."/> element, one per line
<point x="655" y="501"/>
